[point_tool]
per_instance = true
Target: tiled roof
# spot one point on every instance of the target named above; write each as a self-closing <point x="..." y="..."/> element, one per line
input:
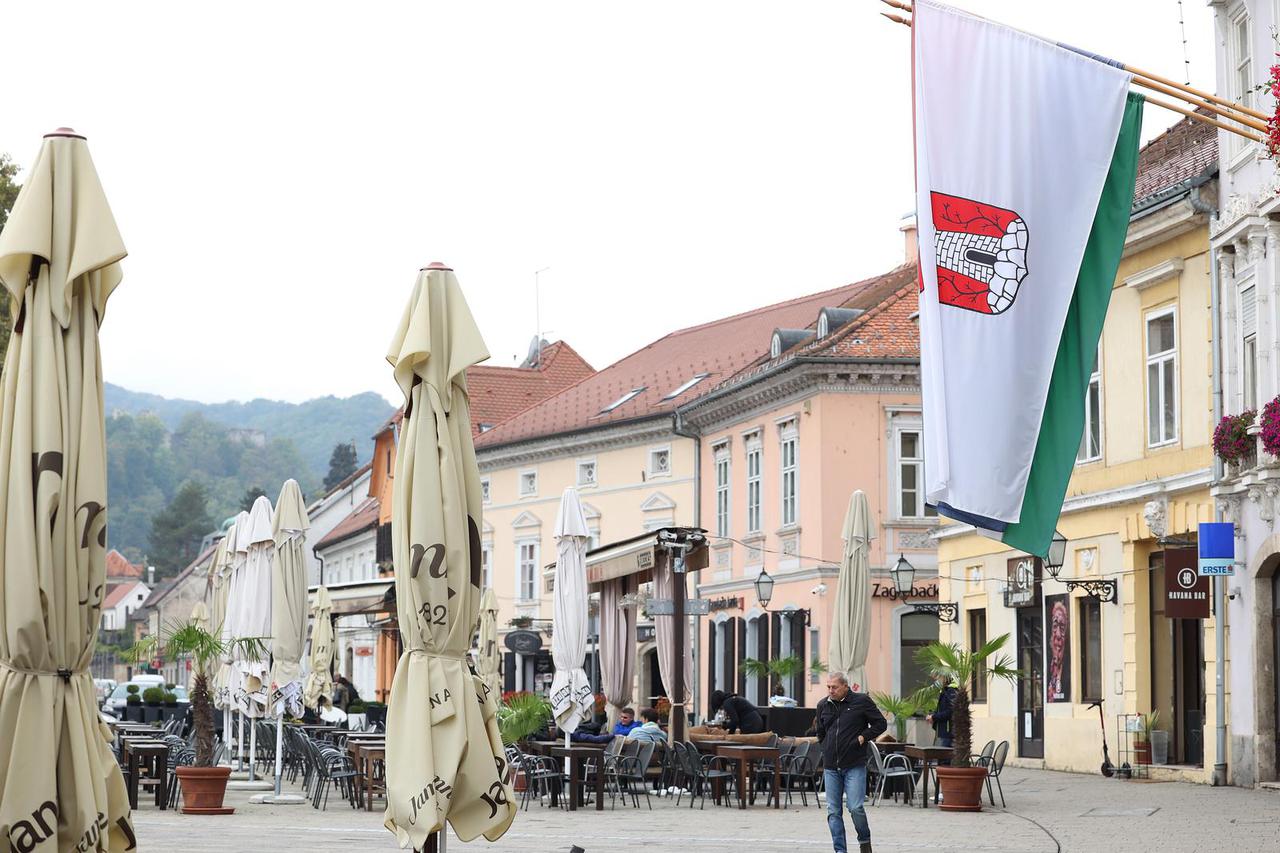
<point x="359" y="472"/>
<point x="119" y="567"/>
<point x="1186" y="150"/>
<point x="118" y="593"/>
<point x="359" y="520"/>
<point x="719" y="349"/>
<point x="498" y="393"/>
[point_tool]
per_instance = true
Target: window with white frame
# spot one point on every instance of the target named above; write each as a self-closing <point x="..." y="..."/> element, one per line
<point x="528" y="483"/>
<point x="486" y="565"/>
<point x="1249" y="346"/>
<point x="755" y="454"/>
<point x="789" y="439"/>
<point x="911" y="502"/>
<point x="722" y="489"/>
<point x="660" y="462"/>
<point x="527" y="570"/>
<point x="1091" y="440"/>
<point x="484" y="490"/>
<point x="587" y="472"/>
<point x="824" y="325"/>
<point x="1240" y="52"/>
<point x="1162" y="377"/>
<point x="593" y="538"/>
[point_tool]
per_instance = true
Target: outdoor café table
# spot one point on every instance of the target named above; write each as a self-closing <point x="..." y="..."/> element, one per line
<point x="744" y="754"/>
<point x="578" y="756"/>
<point x="927" y="756"/>
<point x="362" y="752"/>
<point x="710" y="746"/>
<point x="154" y="756"/>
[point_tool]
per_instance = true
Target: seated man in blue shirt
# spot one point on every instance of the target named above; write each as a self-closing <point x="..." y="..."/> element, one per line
<point x="650" y="730"/>
<point x="626" y="722"/>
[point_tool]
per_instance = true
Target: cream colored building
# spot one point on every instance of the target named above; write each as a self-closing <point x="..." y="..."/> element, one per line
<point x="1140" y="488"/>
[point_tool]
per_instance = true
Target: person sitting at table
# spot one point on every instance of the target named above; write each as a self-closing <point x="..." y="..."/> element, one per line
<point x="740" y="715"/>
<point x="626" y="722"/>
<point x="649" y="730"/>
<point x="580" y="735"/>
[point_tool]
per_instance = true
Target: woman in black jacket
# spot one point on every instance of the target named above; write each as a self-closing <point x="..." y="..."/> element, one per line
<point x="739" y="714"/>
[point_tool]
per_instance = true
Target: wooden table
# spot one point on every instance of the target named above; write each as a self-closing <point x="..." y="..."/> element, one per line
<point x="744" y="755"/>
<point x="154" y="756"/>
<point x="363" y="751"/>
<point x="578" y="756"/>
<point x="928" y="756"/>
<point x="710" y="746"/>
<point x="544" y="747"/>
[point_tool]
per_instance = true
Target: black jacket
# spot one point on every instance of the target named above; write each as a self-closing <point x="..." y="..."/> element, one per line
<point x="742" y="716"/>
<point x="942" y="714"/>
<point x="840" y="723"/>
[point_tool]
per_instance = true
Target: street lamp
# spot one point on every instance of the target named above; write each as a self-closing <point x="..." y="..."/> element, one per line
<point x="764" y="589"/>
<point x="1057" y="553"/>
<point x="904" y="575"/>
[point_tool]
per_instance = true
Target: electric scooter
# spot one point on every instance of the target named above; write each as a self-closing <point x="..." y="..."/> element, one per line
<point x="1108" y="769"/>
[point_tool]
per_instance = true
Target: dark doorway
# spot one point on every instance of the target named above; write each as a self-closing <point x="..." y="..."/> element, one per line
<point x="655" y="678"/>
<point x="1188" y="656"/>
<point x="1030" y="682"/>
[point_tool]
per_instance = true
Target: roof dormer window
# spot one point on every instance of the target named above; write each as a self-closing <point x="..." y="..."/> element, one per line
<point x="775" y="346"/>
<point x="686" y="386"/>
<point x="627" y="397"/>
<point x="824" y="325"/>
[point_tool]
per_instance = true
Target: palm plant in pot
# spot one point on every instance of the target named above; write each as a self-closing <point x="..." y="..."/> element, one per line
<point x="961" y="782"/>
<point x="903" y="708"/>
<point x="779" y="671"/>
<point x="203" y="784"/>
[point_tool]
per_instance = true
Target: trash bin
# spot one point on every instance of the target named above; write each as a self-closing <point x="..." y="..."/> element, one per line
<point x="1159" y="747"/>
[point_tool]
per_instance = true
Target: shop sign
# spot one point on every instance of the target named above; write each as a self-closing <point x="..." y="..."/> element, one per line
<point x="1186" y="591"/>
<point x="727" y="603"/>
<point x="1217" y="542"/>
<point x="889" y="591"/>
<point x="523" y="642"/>
<point x="1023" y="585"/>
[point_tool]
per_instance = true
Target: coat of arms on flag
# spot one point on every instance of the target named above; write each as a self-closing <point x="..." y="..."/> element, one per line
<point x="982" y="253"/>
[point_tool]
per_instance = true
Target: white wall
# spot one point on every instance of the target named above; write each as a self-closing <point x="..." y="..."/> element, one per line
<point x="325" y="514"/>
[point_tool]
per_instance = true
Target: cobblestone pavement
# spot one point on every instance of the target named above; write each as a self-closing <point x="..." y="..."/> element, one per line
<point x="1047" y="812"/>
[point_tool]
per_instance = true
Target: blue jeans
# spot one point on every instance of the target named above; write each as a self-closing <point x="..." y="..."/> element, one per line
<point x="850" y="784"/>
<point x="944" y="740"/>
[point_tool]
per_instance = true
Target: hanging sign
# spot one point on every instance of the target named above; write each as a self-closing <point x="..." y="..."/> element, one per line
<point x="523" y="642"/>
<point x="1186" y="592"/>
<point x="1217" y="549"/>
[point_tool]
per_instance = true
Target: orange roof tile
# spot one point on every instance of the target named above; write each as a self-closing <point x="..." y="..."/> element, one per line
<point x="119" y="567"/>
<point x="498" y="393"/>
<point x="1186" y="150"/>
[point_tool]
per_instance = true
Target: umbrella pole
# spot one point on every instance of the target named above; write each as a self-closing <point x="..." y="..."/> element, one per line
<point x="240" y="742"/>
<point x="253" y="747"/>
<point x="279" y="745"/>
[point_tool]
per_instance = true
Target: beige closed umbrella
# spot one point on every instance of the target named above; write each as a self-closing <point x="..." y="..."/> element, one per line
<point x="851" y="620"/>
<point x="60" y="786"/>
<point x="445" y="760"/>
<point x="487" y="659"/>
<point x="288" y="613"/>
<point x="319" y="680"/>
<point x="219" y="592"/>
<point x="199" y="618"/>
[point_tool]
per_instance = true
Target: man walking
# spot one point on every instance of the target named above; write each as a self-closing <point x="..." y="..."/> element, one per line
<point x="846" y="722"/>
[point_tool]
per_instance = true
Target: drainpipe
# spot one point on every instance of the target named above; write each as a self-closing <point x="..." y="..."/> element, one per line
<point x="321" y="559"/>
<point x="678" y="427"/>
<point x="1219" y="603"/>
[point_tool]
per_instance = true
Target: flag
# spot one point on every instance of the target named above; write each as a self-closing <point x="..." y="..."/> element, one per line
<point x="1026" y="154"/>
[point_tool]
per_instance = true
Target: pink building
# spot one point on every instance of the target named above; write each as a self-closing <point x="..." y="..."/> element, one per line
<point x="832" y="408"/>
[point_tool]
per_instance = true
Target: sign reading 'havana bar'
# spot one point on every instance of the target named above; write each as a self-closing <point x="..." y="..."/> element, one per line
<point x="1186" y="592"/>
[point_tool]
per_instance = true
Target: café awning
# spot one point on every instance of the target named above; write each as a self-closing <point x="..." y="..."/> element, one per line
<point x="359" y="597"/>
<point x="635" y="556"/>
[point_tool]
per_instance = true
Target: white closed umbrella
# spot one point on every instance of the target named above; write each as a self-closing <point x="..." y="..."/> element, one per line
<point x="851" y="625"/>
<point x="238" y="553"/>
<point x="487" y="666"/>
<point x="288" y="613"/>
<point x="571" y="698"/>
<point x="255" y="619"/>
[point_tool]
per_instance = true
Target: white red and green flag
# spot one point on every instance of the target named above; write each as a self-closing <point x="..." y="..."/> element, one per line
<point x="1026" y="154"/>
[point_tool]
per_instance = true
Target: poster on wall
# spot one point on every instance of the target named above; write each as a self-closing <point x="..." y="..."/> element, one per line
<point x="1058" y="687"/>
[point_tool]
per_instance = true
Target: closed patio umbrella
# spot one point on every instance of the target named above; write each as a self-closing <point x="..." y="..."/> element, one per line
<point x="487" y="661"/>
<point x="319" y="680"/>
<point x="60" y="786"/>
<point x="238" y="555"/>
<point x="445" y="760"/>
<point x="251" y="673"/>
<point x="571" y="697"/>
<point x="288" y="612"/>
<point x="851" y="620"/>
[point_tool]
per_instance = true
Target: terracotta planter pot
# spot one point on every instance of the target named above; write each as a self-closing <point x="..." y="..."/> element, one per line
<point x="1142" y="752"/>
<point x="203" y="789"/>
<point x="961" y="788"/>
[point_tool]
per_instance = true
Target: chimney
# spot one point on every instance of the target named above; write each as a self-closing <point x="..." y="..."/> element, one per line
<point x="151" y="575"/>
<point x="908" y="229"/>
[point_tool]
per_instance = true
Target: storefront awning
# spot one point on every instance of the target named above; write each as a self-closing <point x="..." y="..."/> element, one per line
<point x="354" y="598"/>
<point x="635" y="556"/>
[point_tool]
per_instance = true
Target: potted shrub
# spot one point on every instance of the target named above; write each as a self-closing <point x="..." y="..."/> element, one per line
<point x="902" y="708"/>
<point x="521" y="622"/>
<point x="203" y="784"/>
<point x="778" y="671"/>
<point x="152" y="698"/>
<point x="1233" y="441"/>
<point x="1142" y="744"/>
<point x="132" y="704"/>
<point x="520" y="715"/>
<point x="375" y="712"/>
<point x="961" y="782"/>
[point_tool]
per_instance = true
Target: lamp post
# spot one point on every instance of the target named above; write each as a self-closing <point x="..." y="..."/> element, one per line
<point x="904" y="575"/>
<point x="764" y="589"/>
<point x="1057" y="554"/>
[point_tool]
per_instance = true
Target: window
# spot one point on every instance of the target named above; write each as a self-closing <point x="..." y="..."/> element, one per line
<point x="623" y="399"/>
<point x="593" y="538"/>
<point x="1091" y="649"/>
<point x="1243" y="58"/>
<point x="484" y="427"/>
<point x="686" y="386"/>
<point x="587" y="473"/>
<point x="775" y="346"/>
<point x="1162" y="378"/>
<point x="824" y="325"/>
<point x="722" y="489"/>
<point x="528" y="483"/>
<point x="789" y="439"/>
<point x="486" y="565"/>
<point x="815" y="677"/>
<point x="754" y="452"/>
<point x="1249" y="346"/>
<point x="484" y="490"/>
<point x="911" y="477"/>
<point x="660" y="462"/>
<point x="977" y="637"/>
<point x="1091" y="439"/>
<point x="918" y="630"/>
<point x="527" y="571"/>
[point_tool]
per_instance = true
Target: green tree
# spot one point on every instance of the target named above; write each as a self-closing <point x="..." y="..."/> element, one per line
<point x="246" y="502"/>
<point x="342" y="464"/>
<point x="9" y="190"/>
<point x="176" y="530"/>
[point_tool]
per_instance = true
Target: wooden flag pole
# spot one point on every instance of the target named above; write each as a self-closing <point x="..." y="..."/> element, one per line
<point x="1205" y="120"/>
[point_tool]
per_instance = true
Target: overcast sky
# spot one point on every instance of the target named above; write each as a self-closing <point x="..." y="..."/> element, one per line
<point x="280" y="171"/>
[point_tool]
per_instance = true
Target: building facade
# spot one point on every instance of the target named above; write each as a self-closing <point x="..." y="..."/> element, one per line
<point x="1116" y="626"/>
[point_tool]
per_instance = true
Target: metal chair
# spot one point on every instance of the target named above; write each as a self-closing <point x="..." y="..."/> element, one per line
<point x="629" y="771"/>
<point x="983" y="759"/>
<point x="698" y="776"/>
<point x="994" y="768"/>
<point x="896" y="766"/>
<point x="798" y="767"/>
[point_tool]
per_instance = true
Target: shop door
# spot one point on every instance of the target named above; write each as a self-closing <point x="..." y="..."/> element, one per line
<point x="1031" y="682"/>
<point x="1188" y="647"/>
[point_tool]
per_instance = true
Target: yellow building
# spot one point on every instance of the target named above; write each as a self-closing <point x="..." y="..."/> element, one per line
<point x="1140" y="488"/>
